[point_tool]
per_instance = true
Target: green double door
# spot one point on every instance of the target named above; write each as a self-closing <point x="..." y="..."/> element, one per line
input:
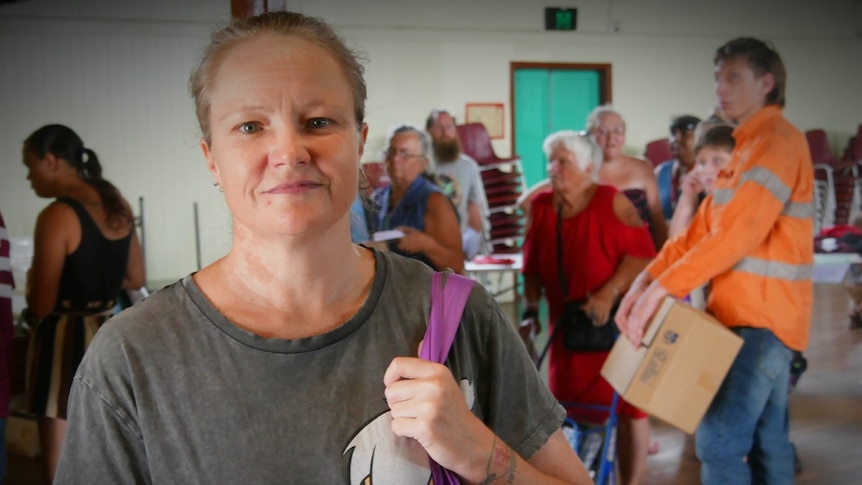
<point x="550" y="99"/>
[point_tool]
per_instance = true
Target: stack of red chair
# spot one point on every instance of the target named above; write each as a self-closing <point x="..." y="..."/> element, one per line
<point x="828" y="173"/>
<point x="503" y="179"/>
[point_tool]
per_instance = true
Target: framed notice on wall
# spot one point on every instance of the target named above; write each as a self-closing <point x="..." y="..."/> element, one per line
<point x="489" y="114"/>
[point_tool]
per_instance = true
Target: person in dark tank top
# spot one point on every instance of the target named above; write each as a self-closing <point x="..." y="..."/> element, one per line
<point x="85" y="250"/>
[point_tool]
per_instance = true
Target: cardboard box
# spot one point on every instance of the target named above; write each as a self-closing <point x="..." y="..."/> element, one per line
<point x="676" y="371"/>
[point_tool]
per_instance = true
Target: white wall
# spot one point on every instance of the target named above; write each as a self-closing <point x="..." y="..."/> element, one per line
<point x="116" y="71"/>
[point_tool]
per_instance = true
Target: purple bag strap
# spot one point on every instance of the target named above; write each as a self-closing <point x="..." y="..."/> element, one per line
<point x="447" y="306"/>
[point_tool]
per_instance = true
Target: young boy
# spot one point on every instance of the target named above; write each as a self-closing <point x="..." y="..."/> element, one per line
<point x="712" y="152"/>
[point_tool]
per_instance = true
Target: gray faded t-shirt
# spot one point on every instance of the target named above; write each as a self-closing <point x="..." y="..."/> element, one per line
<point x="172" y="392"/>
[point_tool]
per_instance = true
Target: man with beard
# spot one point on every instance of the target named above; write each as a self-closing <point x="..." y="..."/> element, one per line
<point x="669" y="173"/>
<point x="458" y="175"/>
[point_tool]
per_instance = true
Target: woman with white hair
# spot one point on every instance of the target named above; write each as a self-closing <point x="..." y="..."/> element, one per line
<point x="604" y="246"/>
<point x="631" y="176"/>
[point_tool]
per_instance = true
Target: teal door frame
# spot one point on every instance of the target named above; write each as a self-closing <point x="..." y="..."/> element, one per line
<point x="531" y="73"/>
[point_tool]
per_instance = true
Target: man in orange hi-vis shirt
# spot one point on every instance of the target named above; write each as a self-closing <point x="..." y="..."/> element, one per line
<point x="752" y="239"/>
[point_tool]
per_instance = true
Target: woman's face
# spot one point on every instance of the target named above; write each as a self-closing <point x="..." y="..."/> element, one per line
<point x="610" y="135"/>
<point x="565" y="171"/>
<point x="404" y="160"/>
<point x="38" y="172"/>
<point x="284" y="146"/>
<point x="709" y="161"/>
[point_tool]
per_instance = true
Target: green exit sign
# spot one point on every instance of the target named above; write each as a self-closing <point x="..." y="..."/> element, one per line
<point x="561" y="18"/>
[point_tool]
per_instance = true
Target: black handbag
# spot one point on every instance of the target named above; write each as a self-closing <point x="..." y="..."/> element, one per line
<point x="580" y="334"/>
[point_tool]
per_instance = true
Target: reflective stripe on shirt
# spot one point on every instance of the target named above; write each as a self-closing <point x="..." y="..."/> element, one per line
<point x="799" y="210"/>
<point x="768" y="180"/>
<point x="775" y="269"/>
<point x="722" y="196"/>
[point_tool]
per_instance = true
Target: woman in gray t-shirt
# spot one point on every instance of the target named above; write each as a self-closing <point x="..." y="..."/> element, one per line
<point x="292" y="359"/>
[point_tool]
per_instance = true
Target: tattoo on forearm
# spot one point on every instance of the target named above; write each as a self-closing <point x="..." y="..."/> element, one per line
<point x="504" y="458"/>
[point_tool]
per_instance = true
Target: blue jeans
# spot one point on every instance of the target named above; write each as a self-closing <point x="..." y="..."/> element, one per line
<point x="749" y="418"/>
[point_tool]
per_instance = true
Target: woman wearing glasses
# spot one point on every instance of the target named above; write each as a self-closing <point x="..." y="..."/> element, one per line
<point x="413" y="204"/>
<point x="631" y="176"/>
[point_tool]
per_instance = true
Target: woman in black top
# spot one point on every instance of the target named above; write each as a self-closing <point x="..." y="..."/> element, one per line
<point x="85" y="250"/>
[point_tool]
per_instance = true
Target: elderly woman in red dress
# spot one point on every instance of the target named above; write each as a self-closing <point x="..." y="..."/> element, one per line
<point x="605" y="245"/>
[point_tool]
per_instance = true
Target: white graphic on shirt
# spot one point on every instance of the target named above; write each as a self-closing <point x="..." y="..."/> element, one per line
<point x="451" y="186"/>
<point x="382" y="458"/>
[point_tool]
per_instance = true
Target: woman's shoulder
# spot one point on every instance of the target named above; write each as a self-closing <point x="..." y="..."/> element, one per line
<point x="57" y="216"/>
<point x="540" y="209"/>
<point x="544" y="198"/>
<point x="145" y="340"/>
<point x="639" y="166"/>
<point x="427" y="186"/>
<point x="62" y="205"/>
<point x="639" y="163"/>
<point x="606" y="194"/>
<point x="612" y="200"/>
<point x="440" y="207"/>
<point x="607" y="190"/>
<point x="436" y="194"/>
<point x="625" y="210"/>
<point x="401" y="269"/>
<point x="408" y="278"/>
<point x="162" y="313"/>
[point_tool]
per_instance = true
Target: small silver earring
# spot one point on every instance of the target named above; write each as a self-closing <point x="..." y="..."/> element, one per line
<point x="216" y="185"/>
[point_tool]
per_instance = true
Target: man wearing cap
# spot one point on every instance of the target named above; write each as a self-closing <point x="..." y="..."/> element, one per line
<point x="669" y="173"/>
